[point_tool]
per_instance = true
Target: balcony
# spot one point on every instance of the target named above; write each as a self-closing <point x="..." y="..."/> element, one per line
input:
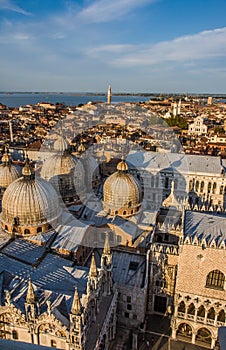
<point x="200" y="319"/>
<point x="190" y="317"/>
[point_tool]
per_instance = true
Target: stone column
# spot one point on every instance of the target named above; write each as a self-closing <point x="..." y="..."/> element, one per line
<point x="213" y="342"/>
<point x="186" y="312"/>
<point x="175" y="310"/>
<point x="174" y="333"/>
<point x="193" y="337"/>
<point x="196" y="311"/>
<point x="134" y="344"/>
<point x="35" y="338"/>
<point x="205" y="318"/>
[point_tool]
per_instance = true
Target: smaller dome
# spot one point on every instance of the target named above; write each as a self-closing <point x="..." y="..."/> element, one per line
<point x="122" y="166"/>
<point x="122" y="192"/>
<point x="61" y="144"/>
<point x="65" y="173"/>
<point x="8" y="171"/>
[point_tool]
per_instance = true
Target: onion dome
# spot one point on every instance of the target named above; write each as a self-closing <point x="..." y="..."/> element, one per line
<point x="8" y="171"/>
<point x="64" y="172"/>
<point x="122" y="192"/>
<point x="61" y="144"/>
<point x="122" y="166"/>
<point x="92" y="172"/>
<point x="29" y="205"/>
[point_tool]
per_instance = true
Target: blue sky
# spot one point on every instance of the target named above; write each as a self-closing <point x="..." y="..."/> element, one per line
<point x="135" y="45"/>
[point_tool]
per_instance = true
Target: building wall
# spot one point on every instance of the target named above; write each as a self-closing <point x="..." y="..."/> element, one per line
<point x="198" y="308"/>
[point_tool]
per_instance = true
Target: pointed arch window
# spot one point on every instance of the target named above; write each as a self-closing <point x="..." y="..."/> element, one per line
<point x="196" y="186"/>
<point x="202" y="187"/>
<point x="215" y="279"/>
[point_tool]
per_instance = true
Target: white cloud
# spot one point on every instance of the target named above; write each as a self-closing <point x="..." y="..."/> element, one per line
<point x="203" y="45"/>
<point x="109" y="10"/>
<point x="11" y="6"/>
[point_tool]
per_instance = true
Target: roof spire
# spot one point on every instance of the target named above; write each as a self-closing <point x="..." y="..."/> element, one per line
<point x="76" y="304"/>
<point x="30" y="298"/>
<point x="107" y="249"/>
<point x="171" y="200"/>
<point x="93" y="267"/>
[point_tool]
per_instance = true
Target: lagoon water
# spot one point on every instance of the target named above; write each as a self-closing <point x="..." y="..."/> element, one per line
<point x="69" y="99"/>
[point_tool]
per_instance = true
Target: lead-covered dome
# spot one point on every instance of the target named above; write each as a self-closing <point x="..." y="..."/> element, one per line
<point x="122" y="192"/>
<point x="8" y="171"/>
<point x="29" y="205"/>
<point x="64" y="171"/>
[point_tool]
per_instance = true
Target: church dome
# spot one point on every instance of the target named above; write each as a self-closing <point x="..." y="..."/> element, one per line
<point x="61" y="144"/>
<point x="8" y="171"/>
<point x="122" y="192"/>
<point x="64" y="172"/>
<point x="29" y="205"/>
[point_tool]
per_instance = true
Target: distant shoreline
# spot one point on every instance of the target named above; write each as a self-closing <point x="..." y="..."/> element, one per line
<point x="145" y="94"/>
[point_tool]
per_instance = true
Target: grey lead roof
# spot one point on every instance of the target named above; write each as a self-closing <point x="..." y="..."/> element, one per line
<point x="183" y="163"/>
<point x="53" y="279"/>
<point x="129" y="268"/>
<point x="206" y="227"/>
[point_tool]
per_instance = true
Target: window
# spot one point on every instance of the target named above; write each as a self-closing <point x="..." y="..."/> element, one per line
<point x="129" y="307"/>
<point x="215" y="279"/>
<point x="160" y="304"/>
<point x="166" y="182"/>
<point x="119" y="239"/>
<point x="53" y="343"/>
<point x="39" y="230"/>
<point x="26" y="231"/>
<point x="202" y="186"/>
<point x="133" y="265"/>
<point x="181" y="307"/>
<point x="209" y="187"/>
<point x="128" y="299"/>
<point x="197" y="186"/>
<point x="14" y="334"/>
<point x="191" y="309"/>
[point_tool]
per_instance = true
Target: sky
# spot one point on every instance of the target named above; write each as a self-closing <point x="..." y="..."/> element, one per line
<point x="163" y="46"/>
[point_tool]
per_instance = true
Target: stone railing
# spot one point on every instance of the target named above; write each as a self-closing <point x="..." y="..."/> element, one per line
<point x="190" y="317"/>
<point x="210" y="321"/>
<point x="200" y="319"/>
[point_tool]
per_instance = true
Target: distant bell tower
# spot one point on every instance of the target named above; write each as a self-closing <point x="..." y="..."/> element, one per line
<point x="109" y="94"/>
